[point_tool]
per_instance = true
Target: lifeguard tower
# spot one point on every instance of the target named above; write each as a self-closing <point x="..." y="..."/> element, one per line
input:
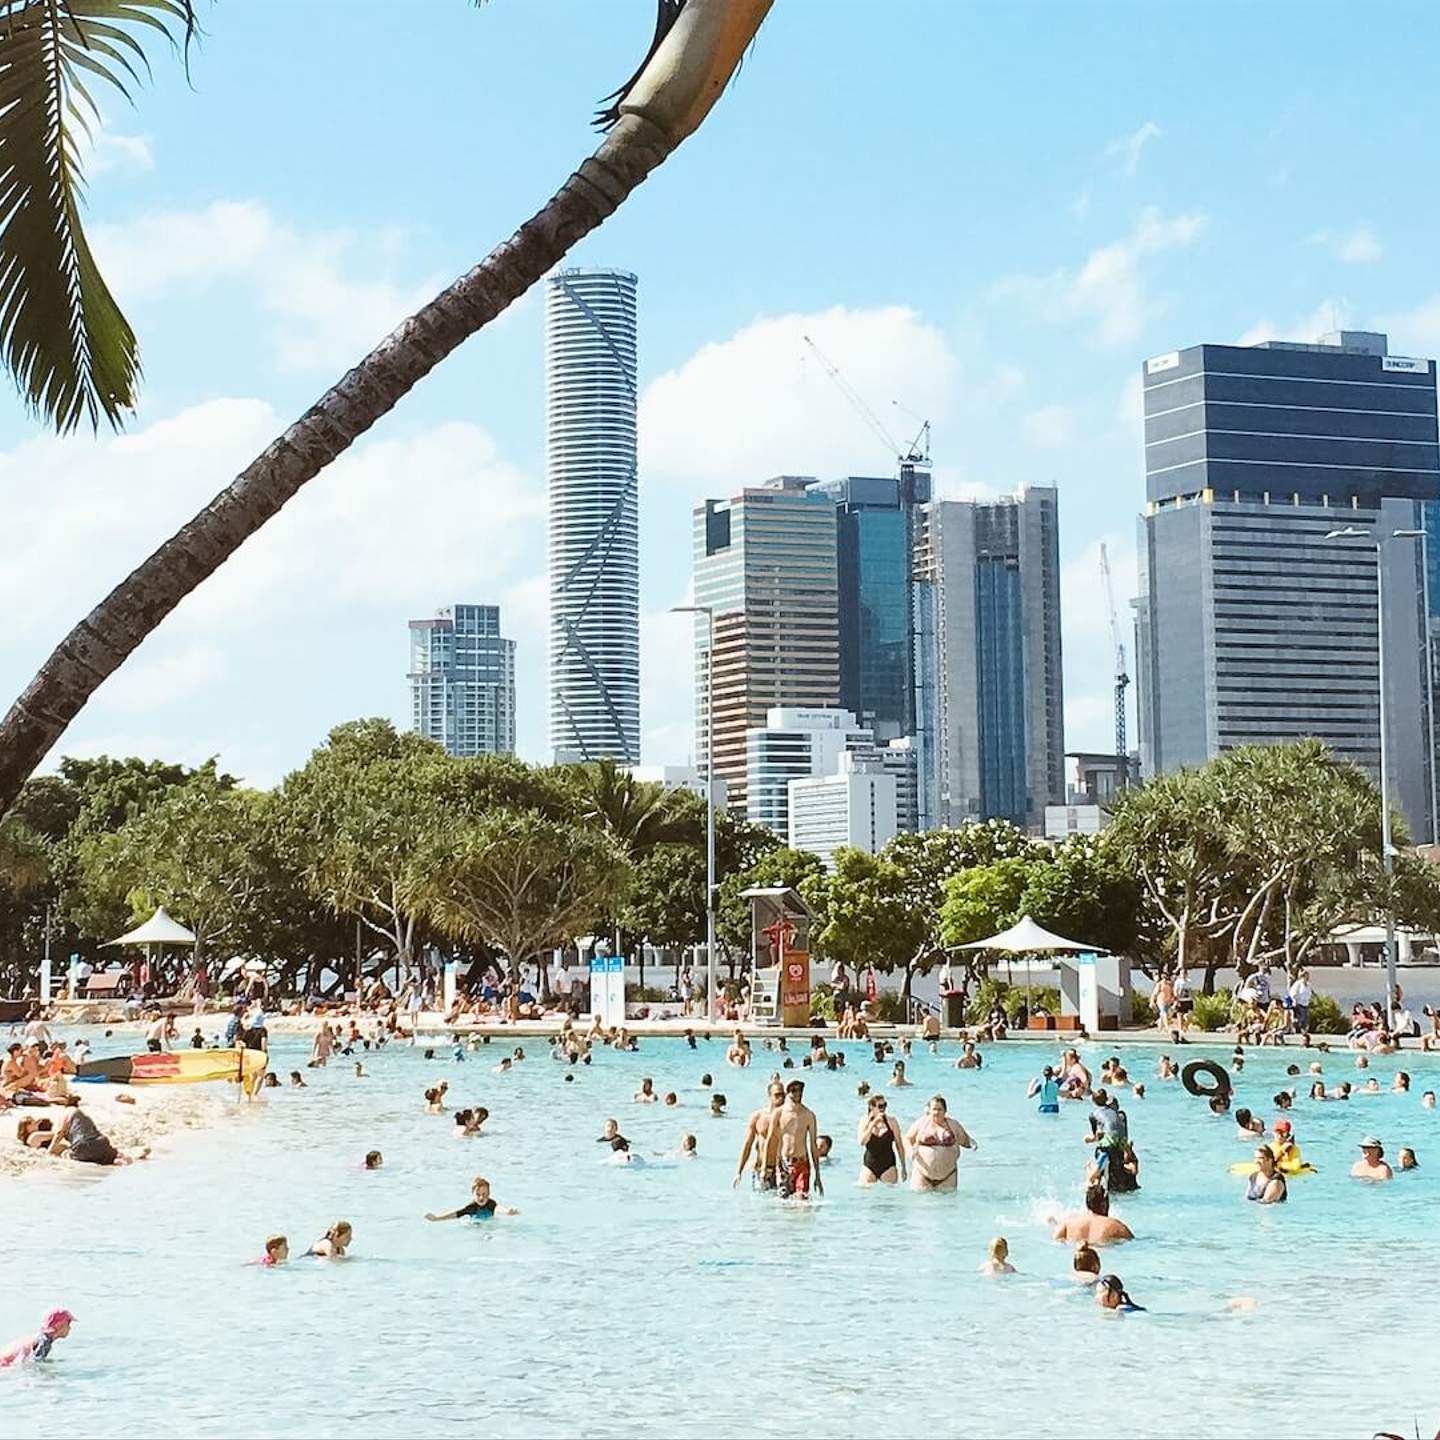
<point x="780" y="954"/>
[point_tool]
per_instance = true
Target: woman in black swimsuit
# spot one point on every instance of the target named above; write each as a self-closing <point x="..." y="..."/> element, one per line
<point x="883" y="1160"/>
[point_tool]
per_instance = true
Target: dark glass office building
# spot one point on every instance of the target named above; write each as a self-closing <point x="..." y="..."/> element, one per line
<point x="875" y="537"/>
<point x="1254" y="625"/>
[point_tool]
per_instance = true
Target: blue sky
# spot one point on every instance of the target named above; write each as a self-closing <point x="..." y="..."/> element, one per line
<point x="988" y="213"/>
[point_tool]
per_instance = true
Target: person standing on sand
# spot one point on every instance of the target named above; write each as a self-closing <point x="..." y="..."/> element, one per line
<point x="762" y="1139"/>
<point x="798" y="1157"/>
<point x="935" y="1142"/>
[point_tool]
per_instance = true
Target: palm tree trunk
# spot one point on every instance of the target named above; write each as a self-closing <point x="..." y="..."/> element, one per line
<point x="669" y="100"/>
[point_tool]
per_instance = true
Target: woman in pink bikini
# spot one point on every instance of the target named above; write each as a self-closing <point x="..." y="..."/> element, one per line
<point x="934" y="1142"/>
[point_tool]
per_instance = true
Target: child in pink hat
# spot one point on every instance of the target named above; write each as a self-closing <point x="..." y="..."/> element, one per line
<point x="56" y="1326"/>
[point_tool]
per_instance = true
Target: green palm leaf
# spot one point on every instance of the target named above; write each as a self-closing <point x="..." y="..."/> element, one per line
<point x="67" y="346"/>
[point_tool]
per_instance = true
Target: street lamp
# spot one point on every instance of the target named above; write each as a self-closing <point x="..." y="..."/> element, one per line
<point x="1352" y="532"/>
<point x="708" y="611"/>
<point x="1424" y="540"/>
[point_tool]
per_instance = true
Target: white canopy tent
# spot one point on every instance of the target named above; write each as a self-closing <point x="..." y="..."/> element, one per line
<point x="1027" y="938"/>
<point x="159" y="929"/>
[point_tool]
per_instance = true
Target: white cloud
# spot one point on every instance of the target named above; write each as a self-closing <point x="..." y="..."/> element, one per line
<point x="1128" y="149"/>
<point x="1415" y="331"/>
<point x="1357" y="246"/>
<point x="1328" y="315"/>
<point x="1052" y="427"/>
<point x="761" y="402"/>
<point x="1108" y="292"/>
<point x="148" y="685"/>
<point x="324" y="317"/>
<point x="112" y="151"/>
<point x="667" y="685"/>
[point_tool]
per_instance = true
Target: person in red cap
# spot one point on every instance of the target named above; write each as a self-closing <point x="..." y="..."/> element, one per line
<point x="56" y="1326"/>
<point x="1283" y="1147"/>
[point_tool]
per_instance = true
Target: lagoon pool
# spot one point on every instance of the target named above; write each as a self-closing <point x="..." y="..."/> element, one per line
<point x="655" y="1301"/>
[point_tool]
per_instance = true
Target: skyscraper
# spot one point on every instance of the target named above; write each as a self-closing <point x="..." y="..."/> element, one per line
<point x="1253" y="626"/>
<point x="765" y="565"/>
<point x="462" y="681"/>
<point x="990" y="702"/>
<point x="594" y="515"/>
<point x="794" y="744"/>
<point x="875" y="539"/>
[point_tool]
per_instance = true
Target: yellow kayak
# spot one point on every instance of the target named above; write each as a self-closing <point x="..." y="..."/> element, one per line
<point x="178" y="1067"/>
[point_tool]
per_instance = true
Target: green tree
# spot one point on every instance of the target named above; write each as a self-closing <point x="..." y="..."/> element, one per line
<point x="519" y="881"/>
<point x="984" y="900"/>
<point x="780" y="866"/>
<point x="358" y="816"/>
<point x="73" y="355"/>
<point x="866" y="915"/>
<point x="1084" y="892"/>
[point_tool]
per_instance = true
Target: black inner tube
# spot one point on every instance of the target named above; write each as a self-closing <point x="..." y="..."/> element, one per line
<point x="1191" y="1075"/>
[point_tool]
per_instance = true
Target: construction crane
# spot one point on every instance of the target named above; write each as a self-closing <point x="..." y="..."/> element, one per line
<point x="918" y="450"/>
<point x="1122" y="676"/>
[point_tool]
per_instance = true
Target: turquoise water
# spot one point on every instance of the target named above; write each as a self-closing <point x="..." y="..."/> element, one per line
<point x="643" y="1301"/>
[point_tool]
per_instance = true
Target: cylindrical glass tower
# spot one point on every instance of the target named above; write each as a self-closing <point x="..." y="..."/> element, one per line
<point x="594" y="515"/>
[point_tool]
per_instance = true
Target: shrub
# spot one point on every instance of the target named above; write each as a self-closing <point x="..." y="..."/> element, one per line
<point x="1326" y="1016"/>
<point x="822" y="1003"/>
<point x="647" y="995"/>
<point x="1010" y="998"/>
<point x="890" y="1007"/>
<point x="1213" y="1012"/>
<point x="988" y="994"/>
<point x="1142" y="1012"/>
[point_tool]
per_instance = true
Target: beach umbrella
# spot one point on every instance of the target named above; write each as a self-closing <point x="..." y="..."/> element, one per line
<point x="1027" y="938"/>
<point x="157" y="931"/>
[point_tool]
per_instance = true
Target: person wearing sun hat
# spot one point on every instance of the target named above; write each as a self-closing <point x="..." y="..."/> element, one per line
<point x="55" y="1326"/>
<point x="1372" y="1165"/>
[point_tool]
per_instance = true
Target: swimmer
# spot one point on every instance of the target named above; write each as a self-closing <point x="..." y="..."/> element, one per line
<point x="1249" y="1124"/>
<point x="277" y="1251"/>
<point x="863" y="1089"/>
<point x="360" y="1071"/>
<point x="297" y="1081"/>
<point x="798" y="1160"/>
<point x="1095" y="1225"/>
<point x="762" y="1139"/>
<point x="480" y="1206"/>
<point x="333" y="1244"/>
<point x="1282" y="1100"/>
<point x="824" y="1144"/>
<point x="1407" y="1159"/>
<point x="646" y="1095"/>
<point x="1110" y="1294"/>
<point x="1047" y="1088"/>
<point x="997" y="1262"/>
<point x="1370" y="1087"/>
<point x="739" y="1051"/>
<point x="1075" y="1078"/>
<point x="687" y="1147"/>
<point x="717" y="1107"/>
<point x="1427" y="1100"/>
<point x="1138" y="1089"/>
<point x="469" y="1121"/>
<point x="970" y="1057"/>
<point x="706" y="1081"/>
<point x="1085" y="1267"/>
<point x="934" y="1143"/>
<point x="671" y="1098"/>
<point x="1401" y="1084"/>
<point x="1266" y="1186"/>
<point x="503" y="1068"/>
<point x="1168" y="1070"/>
<point x="882" y="1160"/>
<point x="519" y="1054"/>
<point x="897" y="1078"/>
<point x="1362" y="1062"/>
<point x="33" y="1348"/>
<point x="373" y="1160"/>
<point x="1372" y="1164"/>
<point x="434" y="1101"/>
<point x="612" y="1133"/>
<point x="1219" y="1104"/>
<point x="1317" y="1091"/>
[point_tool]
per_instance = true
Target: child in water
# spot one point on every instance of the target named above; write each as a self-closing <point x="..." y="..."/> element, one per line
<point x="481" y="1206"/>
<point x="998" y="1260"/>
<point x="333" y="1244"/>
<point x="55" y="1326"/>
<point x="277" y="1251"/>
<point x="373" y="1159"/>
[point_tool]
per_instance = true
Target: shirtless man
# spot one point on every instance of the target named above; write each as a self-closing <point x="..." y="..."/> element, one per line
<point x="798" y="1158"/>
<point x="1372" y="1164"/>
<point x="739" y="1051"/>
<point x="1094" y="1225"/>
<point x="762" y="1139"/>
<point x="934" y="1143"/>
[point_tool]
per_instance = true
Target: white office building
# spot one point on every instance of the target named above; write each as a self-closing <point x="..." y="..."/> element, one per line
<point x="795" y="744"/>
<point x="590" y="360"/>
<point x="854" y="807"/>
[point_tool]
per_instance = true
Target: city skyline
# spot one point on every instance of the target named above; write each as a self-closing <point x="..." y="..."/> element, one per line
<point x="1084" y="239"/>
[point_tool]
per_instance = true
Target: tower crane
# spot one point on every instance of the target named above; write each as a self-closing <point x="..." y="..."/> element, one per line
<point x="918" y="450"/>
<point x="1122" y="676"/>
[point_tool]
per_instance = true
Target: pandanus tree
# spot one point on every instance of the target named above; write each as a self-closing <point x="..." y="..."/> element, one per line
<point x="74" y="357"/>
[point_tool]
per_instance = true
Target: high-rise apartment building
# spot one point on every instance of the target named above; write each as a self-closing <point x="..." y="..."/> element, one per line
<point x="1253" y="625"/>
<point x="462" y="681"/>
<point x="765" y="566"/>
<point x="990" y="723"/>
<point x="794" y="744"/>
<point x="594" y="515"/>
<point x="875" y="540"/>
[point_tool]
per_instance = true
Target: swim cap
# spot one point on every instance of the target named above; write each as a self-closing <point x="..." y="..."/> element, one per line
<point x="55" y="1319"/>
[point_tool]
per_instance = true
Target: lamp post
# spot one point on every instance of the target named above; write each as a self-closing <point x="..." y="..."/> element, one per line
<point x="1352" y="532"/>
<point x="708" y="611"/>
<point x="1424" y="540"/>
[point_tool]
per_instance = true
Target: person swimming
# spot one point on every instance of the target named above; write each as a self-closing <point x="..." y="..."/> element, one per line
<point x="1110" y="1294"/>
<point x="646" y="1095"/>
<point x="277" y="1251"/>
<point x="373" y="1160"/>
<point x="481" y="1205"/>
<point x="688" y="1150"/>
<point x="997" y="1262"/>
<point x="1047" y="1087"/>
<point x="333" y="1244"/>
<point x="34" y="1348"/>
<point x="1085" y="1264"/>
<point x="297" y="1081"/>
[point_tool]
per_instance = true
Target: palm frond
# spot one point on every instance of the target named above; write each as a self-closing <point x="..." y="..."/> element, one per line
<point x="667" y="13"/>
<point x="68" y="348"/>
